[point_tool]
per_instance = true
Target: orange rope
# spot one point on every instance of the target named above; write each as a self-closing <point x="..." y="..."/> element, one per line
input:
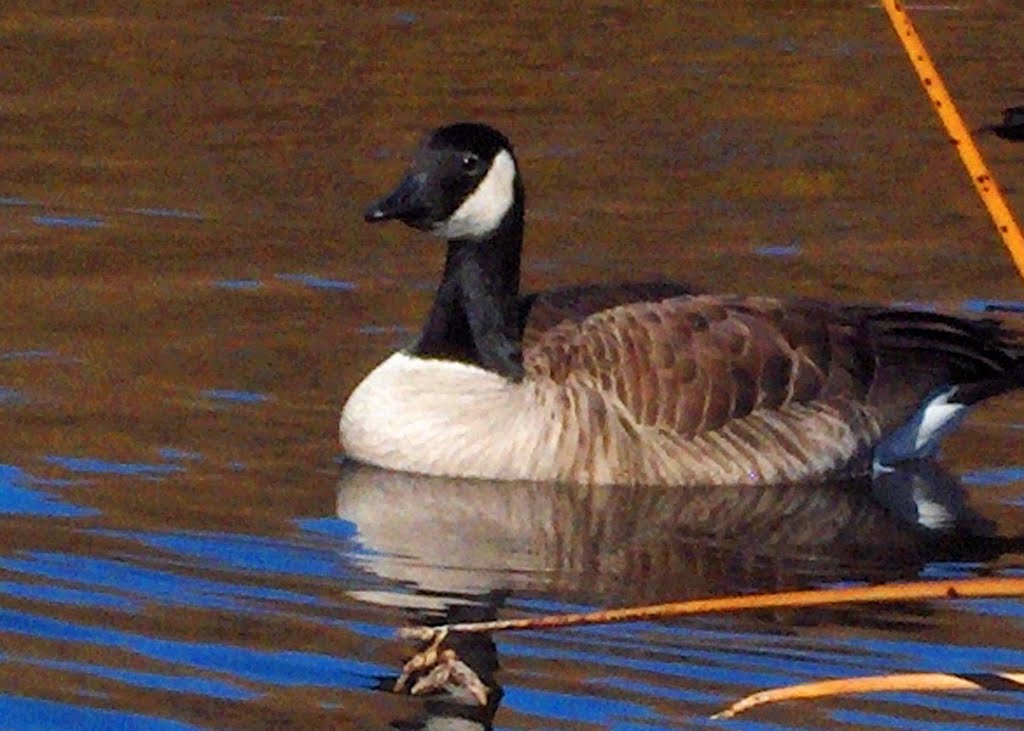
<point x="983" y="181"/>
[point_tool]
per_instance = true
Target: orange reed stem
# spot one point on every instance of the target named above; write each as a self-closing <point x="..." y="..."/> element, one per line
<point x="983" y="180"/>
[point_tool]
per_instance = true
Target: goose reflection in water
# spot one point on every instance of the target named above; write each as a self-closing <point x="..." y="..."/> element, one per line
<point x="457" y="549"/>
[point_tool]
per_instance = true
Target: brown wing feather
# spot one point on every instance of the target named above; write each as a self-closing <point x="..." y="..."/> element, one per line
<point x="692" y="364"/>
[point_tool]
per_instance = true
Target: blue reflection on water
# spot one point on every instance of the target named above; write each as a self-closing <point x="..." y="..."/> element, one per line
<point x="671" y="667"/>
<point x="17" y="497"/>
<point x="950" y="570"/>
<point x="179" y="455"/>
<point x="332" y="527"/>
<point x="376" y="631"/>
<point x="761" y="650"/>
<point x="246" y="553"/>
<point x="928" y="657"/>
<point x="574" y="708"/>
<point x="998" y="608"/>
<point x="99" y="466"/>
<point x="25" y="713"/>
<point x="81" y="222"/>
<point x="129" y="580"/>
<point x="156" y="681"/>
<point x="994" y="476"/>
<point x="385" y="329"/>
<point x="280" y="667"/>
<point x="669" y="692"/>
<point x="11" y="396"/>
<point x="986" y="305"/>
<point x="238" y="283"/>
<point x="234" y="396"/>
<point x="999" y="705"/>
<point x="26" y="354"/>
<point x="551" y="606"/>
<point x="878" y="720"/>
<point x="62" y="595"/>
<point x="166" y="213"/>
<point x="778" y="251"/>
<point x="312" y="280"/>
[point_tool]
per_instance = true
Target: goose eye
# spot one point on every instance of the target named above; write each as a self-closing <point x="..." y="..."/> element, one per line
<point x="470" y="163"/>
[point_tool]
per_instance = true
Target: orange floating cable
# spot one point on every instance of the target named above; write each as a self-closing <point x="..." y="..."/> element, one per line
<point x="984" y="183"/>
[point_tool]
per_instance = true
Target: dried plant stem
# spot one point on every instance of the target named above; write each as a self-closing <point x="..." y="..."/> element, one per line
<point x="910" y="591"/>
<point x="984" y="183"/>
<point x="874" y="684"/>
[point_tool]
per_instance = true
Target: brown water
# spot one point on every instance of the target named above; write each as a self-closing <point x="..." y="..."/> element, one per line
<point x="188" y="295"/>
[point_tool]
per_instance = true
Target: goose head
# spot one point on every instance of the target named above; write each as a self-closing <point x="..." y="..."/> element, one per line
<point x="462" y="185"/>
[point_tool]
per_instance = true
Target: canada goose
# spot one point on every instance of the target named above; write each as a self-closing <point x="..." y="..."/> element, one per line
<point x="644" y="384"/>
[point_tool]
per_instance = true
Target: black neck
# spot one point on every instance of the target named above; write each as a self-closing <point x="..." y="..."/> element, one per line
<point x="475" y="318"/>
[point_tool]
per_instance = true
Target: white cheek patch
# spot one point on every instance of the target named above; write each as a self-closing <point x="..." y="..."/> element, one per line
<point x="483" y="210"/>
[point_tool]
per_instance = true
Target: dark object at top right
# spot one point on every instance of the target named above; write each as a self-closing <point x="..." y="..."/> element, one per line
<point x="1012" y="127"/>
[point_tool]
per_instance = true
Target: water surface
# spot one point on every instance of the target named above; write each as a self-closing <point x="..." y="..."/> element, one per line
<point x="189" y="295"/>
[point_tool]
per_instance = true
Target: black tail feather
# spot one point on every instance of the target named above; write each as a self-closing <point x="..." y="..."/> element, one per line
<point x="982" y="357"/>
<point x="982" y="347"/>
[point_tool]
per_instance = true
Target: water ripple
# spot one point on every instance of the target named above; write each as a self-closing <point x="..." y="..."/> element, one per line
<point x="79" y="222"/>
<point x="97" y="466"/>
<point x="274" y="667"/>
<point x="317" y="282"/>
<point x="18" y="497"/>
<point x="233" y="396"/>
<point x="20" y="712"/>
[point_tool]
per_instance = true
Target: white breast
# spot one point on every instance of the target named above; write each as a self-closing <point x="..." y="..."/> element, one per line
<point x="447" y="418"/>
